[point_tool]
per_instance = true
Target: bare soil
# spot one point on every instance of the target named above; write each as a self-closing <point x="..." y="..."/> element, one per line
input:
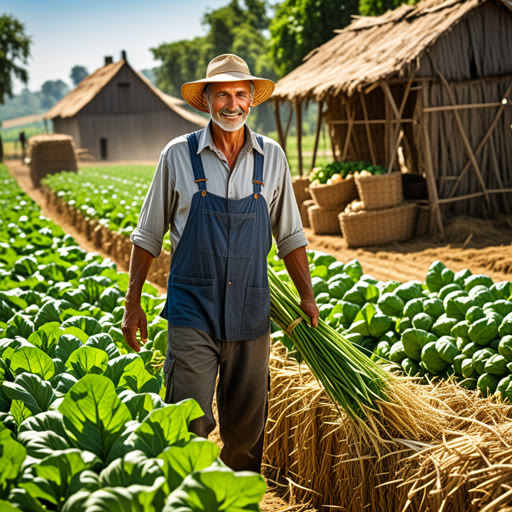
<point x="483" y="246"/>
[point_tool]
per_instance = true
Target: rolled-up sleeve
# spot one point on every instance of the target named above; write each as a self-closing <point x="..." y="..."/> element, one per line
<point x="156" y="211"/>
<point x="284" y="215"/>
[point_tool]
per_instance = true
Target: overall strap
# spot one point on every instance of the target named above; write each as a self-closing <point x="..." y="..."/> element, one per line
<point x="258" y="167"/>
<point x="197" y="163"/>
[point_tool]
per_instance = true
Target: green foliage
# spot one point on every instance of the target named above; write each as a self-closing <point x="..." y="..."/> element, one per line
<point x="78" y="73"/>
<point x="14" y="54"/>
<point x="299" y="26"/>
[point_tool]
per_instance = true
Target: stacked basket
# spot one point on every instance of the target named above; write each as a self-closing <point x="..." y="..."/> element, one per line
<point x="385" y="216"/>
<point x="329" y="201"/>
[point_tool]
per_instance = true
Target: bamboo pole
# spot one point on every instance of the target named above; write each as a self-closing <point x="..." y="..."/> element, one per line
<point x="371" y="121"/>
<point x="445" y="108"/>
<point x="465" y="140"/>
<point x="279" y="126"/>
<point x="317" y="132"/>
<point x="482" y="142"/>
<point x="474" y="195"/>
<point x="298" y="117"/>
<point x="351" y="115"/>
<point x="496" y="167"/>
<point x="368" y="131"/>
<point x="288" y="123"/>
<point x="429" y="174"/>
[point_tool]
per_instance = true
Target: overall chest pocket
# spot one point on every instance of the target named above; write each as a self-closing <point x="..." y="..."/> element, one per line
<point x="227" y="234"/>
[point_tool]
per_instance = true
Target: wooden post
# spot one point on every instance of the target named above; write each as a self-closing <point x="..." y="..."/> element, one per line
<point x="368" y="131"/>
<point x="280" y="134"/>
<point x="351" y="116"/>
<point x="298" y="115"/>
<point x="429" y="171"/>
<point x="317" y="132"/>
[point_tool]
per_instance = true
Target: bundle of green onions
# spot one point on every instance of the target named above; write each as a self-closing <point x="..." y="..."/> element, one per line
<point x="351" y="379"/>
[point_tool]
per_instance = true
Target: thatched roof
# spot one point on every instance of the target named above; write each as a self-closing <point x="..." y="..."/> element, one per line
<point x="374" y="48"/>
<point x="92" y="85"/>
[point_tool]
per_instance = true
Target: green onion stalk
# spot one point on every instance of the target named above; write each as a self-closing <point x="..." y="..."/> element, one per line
<point x="352" y="380"/>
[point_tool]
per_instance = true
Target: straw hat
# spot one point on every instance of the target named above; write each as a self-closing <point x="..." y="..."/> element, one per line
<point x="226" y="68"/>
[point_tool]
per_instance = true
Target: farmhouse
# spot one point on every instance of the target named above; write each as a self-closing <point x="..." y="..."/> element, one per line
<point x="435" y="80"/>
<point x="117" y="114"/>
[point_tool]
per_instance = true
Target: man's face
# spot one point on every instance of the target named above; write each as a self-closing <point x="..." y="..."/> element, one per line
<point x="229" y="104"/>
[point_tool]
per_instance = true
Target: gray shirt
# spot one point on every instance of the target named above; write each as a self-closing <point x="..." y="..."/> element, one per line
<point x="168" y="200"/>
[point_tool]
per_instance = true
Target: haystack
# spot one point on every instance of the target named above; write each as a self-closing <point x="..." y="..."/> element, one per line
<point x="49" y="154"/>
<point x="449" y="450"/>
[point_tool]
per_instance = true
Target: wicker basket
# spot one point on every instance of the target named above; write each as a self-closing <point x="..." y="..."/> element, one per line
<point x="332" y="197"/>
<point x="324" y="222"/>
<point x="300" y="186"/>
<point x="376" y="227"/>
<point x="381" y="191"/>
<point x="304" y="212"/>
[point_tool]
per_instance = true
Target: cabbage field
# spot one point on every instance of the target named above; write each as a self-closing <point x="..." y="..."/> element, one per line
<point x="83" y="424"/>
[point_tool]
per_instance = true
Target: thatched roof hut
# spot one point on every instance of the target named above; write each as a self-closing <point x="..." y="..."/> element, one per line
<point x="434" y="79"/>
<point x="117" y="114"/>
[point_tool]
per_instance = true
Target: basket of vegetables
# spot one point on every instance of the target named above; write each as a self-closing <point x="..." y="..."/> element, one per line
<point x="323" y="221"/>
<point x="379" y="191"/>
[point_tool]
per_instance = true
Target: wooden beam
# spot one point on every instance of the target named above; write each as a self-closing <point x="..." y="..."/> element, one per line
<point x="465" y="140"/>
<point x="475" y="194"/>
<point x="481" y="143"/>
<point x="317" y="132"/>
<point x="371" y="121"/>
<point x="298" y="118"/>
<point x="368" y="131"/>
<point x="445" y="108"/>
<point x="429" y="171"/>
<point x="351" y="116"/>
<point x="279" y="126"/>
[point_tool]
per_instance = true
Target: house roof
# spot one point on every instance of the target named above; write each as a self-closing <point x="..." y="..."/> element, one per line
<point x="373" y="49"/>
<point x="92" y="85"/>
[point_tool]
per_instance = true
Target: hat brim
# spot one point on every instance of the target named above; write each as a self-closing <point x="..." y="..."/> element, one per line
<point x="192" y="92"/>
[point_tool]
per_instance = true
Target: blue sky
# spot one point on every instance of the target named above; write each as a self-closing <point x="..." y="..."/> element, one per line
<point x="68" y="33"/>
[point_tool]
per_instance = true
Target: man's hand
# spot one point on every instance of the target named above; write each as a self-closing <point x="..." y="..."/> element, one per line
<point x="134" y="319"/>
<point x="311" y="309"/>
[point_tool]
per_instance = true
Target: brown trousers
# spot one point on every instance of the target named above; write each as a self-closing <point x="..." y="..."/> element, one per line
<point x="242" y="390"/>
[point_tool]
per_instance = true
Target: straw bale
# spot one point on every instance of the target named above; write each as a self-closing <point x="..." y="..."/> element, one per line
<point x="49" y="154"/>
<point x="413" y="452"/>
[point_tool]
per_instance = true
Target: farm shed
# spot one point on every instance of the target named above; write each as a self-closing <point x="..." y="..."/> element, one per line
<point x="117" y="114"/>
<point x="435" y="80"/>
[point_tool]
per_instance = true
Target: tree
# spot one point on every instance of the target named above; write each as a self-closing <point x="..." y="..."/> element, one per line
<point x="78" y="73"/>
<point x="377" y="7"/>
<point x="53" y="91"/>
<point x="299" y="26"/>
<point x="14" y="54"/>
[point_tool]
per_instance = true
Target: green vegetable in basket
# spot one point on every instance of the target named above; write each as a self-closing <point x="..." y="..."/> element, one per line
<point x="319" y="285"/>
<point x="422" y="321"/>
<point x="397" y="352"/>
<point x="477" y="279"/>
<point x="344" y="313"/>
<point x="354" y="270"/>
<point x="410" y="290"/>
<point x="467" y="368"/>
<point x="481" y="296"/>
<point x="470" y="349"/>
<point x="413" y="307"/>
<point x="474" y="313"/>
<point x="461" y="276"/>
<point x="460" y="330"/>
<point x="335" y="269"/>
<point x="403" y="324"/>
<point x="458" y="306"/>
<point x="449" y="288"/>
<point x="502" y="307"/>
<point x="502" y="290"/>
<point x="339" y="288"/>
<point x="434" y="278"/>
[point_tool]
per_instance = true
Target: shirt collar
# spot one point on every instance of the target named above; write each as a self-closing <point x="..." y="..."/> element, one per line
<point x="206" y="140"/>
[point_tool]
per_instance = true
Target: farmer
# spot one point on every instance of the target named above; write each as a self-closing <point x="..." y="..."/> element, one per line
<point x="223" y="192"/>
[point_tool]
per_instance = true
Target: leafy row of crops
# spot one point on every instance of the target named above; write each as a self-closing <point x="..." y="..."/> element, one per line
<point x="452" y="324"/>
<point x="83" y="425"/>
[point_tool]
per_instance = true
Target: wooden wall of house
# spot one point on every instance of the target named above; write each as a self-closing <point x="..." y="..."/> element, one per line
<point x="132" y="137"/>
<point x="478" y="46"/>
<point x="69" y="126"/>
<point x="126" y="93"/>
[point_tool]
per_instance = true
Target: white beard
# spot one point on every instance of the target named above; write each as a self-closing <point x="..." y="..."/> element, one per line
<point x="229" y="126"/>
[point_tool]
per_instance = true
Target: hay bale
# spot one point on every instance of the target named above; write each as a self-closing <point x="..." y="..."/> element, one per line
<point x="50" y="153"/>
